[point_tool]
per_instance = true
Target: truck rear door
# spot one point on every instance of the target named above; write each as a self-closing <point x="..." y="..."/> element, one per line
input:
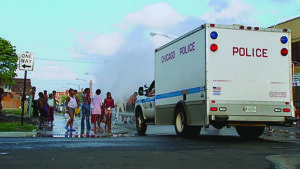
<point x="249" y="71"/>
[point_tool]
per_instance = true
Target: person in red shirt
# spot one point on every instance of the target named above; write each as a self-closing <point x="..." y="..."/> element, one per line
<point x="109" y="105"/>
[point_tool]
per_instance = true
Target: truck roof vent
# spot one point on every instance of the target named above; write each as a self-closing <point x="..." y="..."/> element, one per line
<point x="256" y="28"/>
<point x="242" y="27"/>
<point x="249" y="27"/>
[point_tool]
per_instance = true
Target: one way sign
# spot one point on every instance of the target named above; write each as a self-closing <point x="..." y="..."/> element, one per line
<point x="26" y="61"/>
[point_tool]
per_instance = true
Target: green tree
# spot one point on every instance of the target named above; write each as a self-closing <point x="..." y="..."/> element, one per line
<point x="79" y="95"/>
<point x="63" y="98"/>
<point x="8" y="62"/>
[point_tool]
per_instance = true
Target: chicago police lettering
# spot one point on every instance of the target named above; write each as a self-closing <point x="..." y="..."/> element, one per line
<point x="168" y="56"/>
<point x="183" y="50"/>
<point x="187" y="49"/>
<point x="250" y="52"/>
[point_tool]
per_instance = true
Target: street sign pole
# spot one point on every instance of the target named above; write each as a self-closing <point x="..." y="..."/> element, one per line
<point x="23" y="98"/>
<point x="26" y="61"/>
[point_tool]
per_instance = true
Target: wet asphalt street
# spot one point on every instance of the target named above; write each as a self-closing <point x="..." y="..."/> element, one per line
<point x="160" y="148"/>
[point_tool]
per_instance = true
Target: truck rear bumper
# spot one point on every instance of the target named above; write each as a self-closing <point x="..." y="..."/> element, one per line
<point x="253" y="120"/>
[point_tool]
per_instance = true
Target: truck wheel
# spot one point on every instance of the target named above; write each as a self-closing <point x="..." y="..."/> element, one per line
<point x="249" y="132"/>
<point x="181" y="127"/>
<point x="141" y="126"/>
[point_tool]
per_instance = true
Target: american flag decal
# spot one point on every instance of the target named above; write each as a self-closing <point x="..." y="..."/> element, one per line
<point x="217" y="90"/>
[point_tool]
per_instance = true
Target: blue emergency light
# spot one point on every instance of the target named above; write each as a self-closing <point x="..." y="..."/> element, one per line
<point x="284" y="39"/>
<point x="214" y="35"/>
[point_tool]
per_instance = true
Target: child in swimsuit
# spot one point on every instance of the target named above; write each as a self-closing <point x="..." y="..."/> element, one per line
<point x="109" y="105"/>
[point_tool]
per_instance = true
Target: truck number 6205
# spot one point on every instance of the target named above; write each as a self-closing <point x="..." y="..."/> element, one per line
<point x="277" y="94"/>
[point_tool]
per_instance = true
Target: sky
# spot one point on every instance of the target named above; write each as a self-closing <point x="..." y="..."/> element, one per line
<point x="109" y="42"/>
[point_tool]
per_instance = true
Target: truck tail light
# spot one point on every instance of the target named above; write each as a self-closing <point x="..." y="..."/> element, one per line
<point x="213" y="47"/>
<point x="213" y="101"/>
<point x="285" y="30"/>
<point x="277" y="110"/>
<point x="213" y="109"/>
<point x="222" y="108"/>
<point x="284" y="51"/>
<point x="284" y="39"/>
<point x="212" y="25"/>
<point x="286" y="110"/>
<point x="287" y="103"/>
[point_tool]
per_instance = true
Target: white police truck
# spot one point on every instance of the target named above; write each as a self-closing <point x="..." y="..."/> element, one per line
<point x="222" y="76"/>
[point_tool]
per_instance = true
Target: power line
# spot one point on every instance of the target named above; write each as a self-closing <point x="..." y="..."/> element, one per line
<point x="75" y="61"/>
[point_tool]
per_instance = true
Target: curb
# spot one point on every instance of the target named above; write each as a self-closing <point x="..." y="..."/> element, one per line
<point x="18" y="134"/>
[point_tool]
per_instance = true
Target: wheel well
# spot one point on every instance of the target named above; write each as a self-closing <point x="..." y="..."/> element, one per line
<point x="180" y="104"/>
<point x="138" y="108"/>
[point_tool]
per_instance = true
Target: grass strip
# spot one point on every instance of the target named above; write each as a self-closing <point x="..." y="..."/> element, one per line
<point x="16" y="126"/>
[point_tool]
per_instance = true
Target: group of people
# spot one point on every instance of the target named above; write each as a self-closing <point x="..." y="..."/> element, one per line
<point x="101" y="110"/>
<point x="45" y="105"/>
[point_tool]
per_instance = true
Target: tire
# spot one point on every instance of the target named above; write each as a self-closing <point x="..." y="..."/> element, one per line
<point x="181" y="127"/>
<point x="141" y="126"/>
<point x="248" y="132"/>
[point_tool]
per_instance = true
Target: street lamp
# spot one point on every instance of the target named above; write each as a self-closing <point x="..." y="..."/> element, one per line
<point x="157" y="34"/>
<point x="90" y="74"/>
<point x="81" y="80"/>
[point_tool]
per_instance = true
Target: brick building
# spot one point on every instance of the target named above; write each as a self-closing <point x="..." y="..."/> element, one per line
<point x="13" y="93"/>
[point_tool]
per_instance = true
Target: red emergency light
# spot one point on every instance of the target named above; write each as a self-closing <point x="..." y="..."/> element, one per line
<point x="286" y="110"/>
<point x="213" y="47"/>
<point x="284" y="51"/>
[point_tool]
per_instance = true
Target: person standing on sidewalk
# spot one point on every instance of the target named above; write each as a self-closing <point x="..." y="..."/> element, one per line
<point x="109" y="105"/>
<point x="77" y="100"/>
<point x="130" y="106"/>
<point x="46" y="100"/>
<point x="50" y="116"/>
<point x="97" y="103"/>
<point x="71" y="105"/>
<point x="54" y="97"/>
<point x="85" y="109"/>
<point x="41" y="104"/>
<point x="30" y="100"/>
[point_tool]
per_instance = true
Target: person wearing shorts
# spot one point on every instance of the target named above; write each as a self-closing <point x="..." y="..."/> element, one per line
<point x="50" y="115"/>
<point x="71" y="105"/>
<point x="97" y="103"/>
